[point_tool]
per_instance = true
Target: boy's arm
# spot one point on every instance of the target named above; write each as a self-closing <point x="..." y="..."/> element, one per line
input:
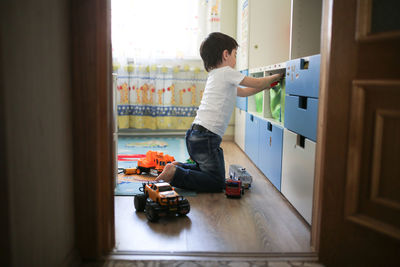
<point x="255" y="85"/>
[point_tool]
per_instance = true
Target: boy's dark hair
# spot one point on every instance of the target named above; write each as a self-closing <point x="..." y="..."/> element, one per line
<point x="212" y="47"/>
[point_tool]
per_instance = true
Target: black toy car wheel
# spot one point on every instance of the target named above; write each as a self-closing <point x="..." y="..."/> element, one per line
<point x="151" y="213"/>
<point x="140" y="202"/>
<point x="184" y="207"/>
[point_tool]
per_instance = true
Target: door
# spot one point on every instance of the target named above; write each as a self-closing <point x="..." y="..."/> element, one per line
<point x="358" y="143"/>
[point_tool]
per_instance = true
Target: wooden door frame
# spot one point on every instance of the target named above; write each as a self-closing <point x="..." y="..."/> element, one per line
<point x="343" y="65"/>
<point x="326" y="33"/>
<point x="5" y="243"/>
<point x="93" y="126"/>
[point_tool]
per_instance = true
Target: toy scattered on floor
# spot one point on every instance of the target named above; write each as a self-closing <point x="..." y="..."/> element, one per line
<point x="160" y="199"/>
<point x="237" y="172"/>
<point x="190" y="161"/>
<point x="130" y="157"/>
<point x="129" y="171"/>
<point x="154" y="162"/>
<point x="234" y="188"/>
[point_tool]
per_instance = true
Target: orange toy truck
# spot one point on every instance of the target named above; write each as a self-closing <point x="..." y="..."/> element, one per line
<point x="160" y="199"/>
<point x="154" y="162"/>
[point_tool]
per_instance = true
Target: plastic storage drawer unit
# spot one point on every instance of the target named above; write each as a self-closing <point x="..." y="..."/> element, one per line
<point x="298" y="172"/>
<point x="251" y="137"/>
<point x="270" y="151"/>
<point x="302" y="76"/>
<point x="301" y="115"/>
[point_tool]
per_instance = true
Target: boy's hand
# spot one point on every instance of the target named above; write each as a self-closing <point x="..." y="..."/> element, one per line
<point x="277" y="77"/>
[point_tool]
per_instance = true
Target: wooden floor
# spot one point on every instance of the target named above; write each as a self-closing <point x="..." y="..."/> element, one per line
<point x="261" y="221"/>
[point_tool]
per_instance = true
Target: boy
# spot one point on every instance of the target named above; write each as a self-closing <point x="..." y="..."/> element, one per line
<point x="203" y="139"/>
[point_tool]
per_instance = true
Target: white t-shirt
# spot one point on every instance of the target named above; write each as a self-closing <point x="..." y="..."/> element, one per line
<point x="219" y="99"/>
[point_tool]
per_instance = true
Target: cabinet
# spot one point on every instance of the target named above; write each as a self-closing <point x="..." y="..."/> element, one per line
<point x="263" y="145"/>
<point x="269" y="39"/>
<point x="251" y="137"/>
<point x="270" y="151"/>
<point x="301" y="100"/>
<point x="298" y="160"/>
<point x="260" y="103"/>
<point x="300" y="135"/>
<point x="282" y="36"/>
<point x="264" y="132"/>
<point x="240" y="127"/>
<point x="301" y="115"/>
<point x="305" y="28"/>
<point x="270" y="31"/>
<point x="263" y="32"/>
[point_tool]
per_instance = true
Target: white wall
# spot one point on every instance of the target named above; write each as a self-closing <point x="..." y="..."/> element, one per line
<point x="35" y="60"/>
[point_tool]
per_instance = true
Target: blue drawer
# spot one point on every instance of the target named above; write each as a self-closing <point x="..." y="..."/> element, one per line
<point x="251" y="137"/>
<point x="241" y="103"/>
<point x="301" y="115"/>
<point x="302" y="76"/>
<point x="270" y="152"/>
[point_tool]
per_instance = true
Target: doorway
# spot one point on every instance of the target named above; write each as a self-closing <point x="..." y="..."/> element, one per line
<point x="335" y="237"/>
<point x="266" y="228"/>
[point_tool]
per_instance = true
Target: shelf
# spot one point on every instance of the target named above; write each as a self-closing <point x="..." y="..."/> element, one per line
<point x="259" y="104"/>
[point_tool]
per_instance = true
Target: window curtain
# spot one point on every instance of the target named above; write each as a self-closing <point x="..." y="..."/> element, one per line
<point x="160" y="76"/>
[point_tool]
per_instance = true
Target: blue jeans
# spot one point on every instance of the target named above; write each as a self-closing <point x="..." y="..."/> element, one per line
<point x="208" y="172"/>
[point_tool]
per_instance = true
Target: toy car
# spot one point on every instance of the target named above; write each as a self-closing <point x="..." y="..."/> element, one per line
<point x="237" y="172"/>
<point x="160" y="199"/>
<point x="154" y="162"/>
<point x="234" y="188"/>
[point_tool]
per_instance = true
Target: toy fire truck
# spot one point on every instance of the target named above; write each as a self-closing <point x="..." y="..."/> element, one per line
<point x="234" y="188"/>
<point x="237" y="172"/>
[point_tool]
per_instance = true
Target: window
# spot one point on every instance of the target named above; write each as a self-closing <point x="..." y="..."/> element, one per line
<point x="158" y="29"/>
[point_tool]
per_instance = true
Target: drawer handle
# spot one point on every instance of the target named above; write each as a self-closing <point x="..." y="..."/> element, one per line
<point x="300" y="141"/>
<point x="269" y="126"/>
<point x="304" y="64"/>
<point x="302" y="102"/>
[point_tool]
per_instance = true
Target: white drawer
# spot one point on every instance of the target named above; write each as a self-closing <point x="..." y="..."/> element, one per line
<point x="298" y="172"/>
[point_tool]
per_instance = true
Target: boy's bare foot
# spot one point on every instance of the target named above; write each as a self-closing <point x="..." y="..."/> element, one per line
<point x="168" y="173"/>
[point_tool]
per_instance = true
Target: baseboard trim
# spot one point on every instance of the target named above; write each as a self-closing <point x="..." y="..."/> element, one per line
<point x="212" y="256"/>
<point x="154" y="134"/>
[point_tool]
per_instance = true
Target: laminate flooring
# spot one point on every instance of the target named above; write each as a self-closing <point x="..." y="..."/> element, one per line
<point x="261" y="221"/>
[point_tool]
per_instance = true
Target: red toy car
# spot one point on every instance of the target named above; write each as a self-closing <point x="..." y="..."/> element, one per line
<point x="234" y="188"/>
